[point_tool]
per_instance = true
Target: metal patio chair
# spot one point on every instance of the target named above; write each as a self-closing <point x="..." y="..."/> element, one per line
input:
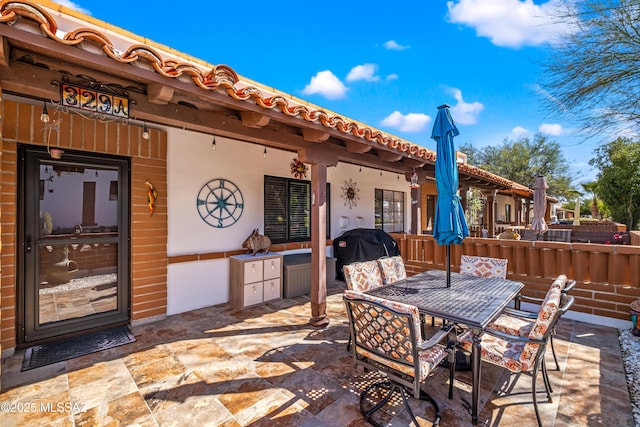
<point x="362" y="276"/>
<point x="386" y="338"/>
<point x="520" y="322"/>
<point x="524" y="353"/>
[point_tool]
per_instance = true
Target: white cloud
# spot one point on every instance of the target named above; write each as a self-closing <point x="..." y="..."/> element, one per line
<point x="363" y="72"/>
<point x="519" y="131"/>
<point x="393" y="45"/>
<point x="72" y="5"/>
<point x="464" y="112"/>
<point x="512" y="23"/>
<point x="392" y="76"/>
<point x="553" y="129"/>
<point x="412" y="122"/>
<point x="325" y="83"/>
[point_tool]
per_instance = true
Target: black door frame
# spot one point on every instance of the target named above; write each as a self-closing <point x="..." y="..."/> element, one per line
<point x="29" y="332"/>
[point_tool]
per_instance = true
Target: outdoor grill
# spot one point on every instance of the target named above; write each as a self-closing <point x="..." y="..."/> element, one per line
<point x="362" y="244"/>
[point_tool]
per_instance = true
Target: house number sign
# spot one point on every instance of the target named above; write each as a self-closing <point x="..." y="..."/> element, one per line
<point x="94" y="101"/>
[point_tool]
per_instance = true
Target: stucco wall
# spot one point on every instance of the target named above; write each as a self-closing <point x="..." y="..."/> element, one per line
<point x="191" y="163"/>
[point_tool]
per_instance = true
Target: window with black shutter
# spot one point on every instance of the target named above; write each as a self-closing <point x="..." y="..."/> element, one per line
<point x="389" y="210"/>
<point x="287" y="209"/>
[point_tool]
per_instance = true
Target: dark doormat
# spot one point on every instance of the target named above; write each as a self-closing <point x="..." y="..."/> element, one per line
<point x="46" y="354"/>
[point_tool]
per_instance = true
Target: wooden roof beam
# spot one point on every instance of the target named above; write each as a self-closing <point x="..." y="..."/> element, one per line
<point x="389" y="156"/>
<point x="4" y="51"/>
<point x="159" y="94"/>
<point x="414" y="162"/>
<point x="251" y="119"/>
<point x="314" y="135"/>
<point x="356" y="147"/>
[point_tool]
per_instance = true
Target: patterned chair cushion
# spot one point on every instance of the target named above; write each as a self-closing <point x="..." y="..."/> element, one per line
<point x="513" y="355"/>
<point x="362" y="276"/>
<point x="560" y="281"/>
<point x="547" y="312"/>
<point x="392" y="269"/>
<point x="514" y="325"/>
<point x="429" y="360"/>
<point x="382" y="331"/>
<point x="483" y="266"/>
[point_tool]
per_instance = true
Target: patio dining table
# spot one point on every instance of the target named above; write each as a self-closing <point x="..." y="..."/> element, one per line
<point x="470" y="301"/>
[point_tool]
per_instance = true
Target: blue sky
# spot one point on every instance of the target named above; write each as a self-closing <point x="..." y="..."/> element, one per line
<point x="389" y="65"/>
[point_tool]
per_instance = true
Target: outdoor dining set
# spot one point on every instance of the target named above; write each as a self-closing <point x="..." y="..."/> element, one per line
<point x="476" y="311"/>
<point x="478" y="308"/>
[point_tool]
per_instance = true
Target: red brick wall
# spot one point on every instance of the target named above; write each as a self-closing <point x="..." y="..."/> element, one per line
<point x="21" y="125"/>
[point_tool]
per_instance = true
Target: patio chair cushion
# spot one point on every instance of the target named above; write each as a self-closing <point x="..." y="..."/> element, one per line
<point x="522" y="326"/>
<point x="560" y="281"/>
<point x="546" y="314"/>
<point x="512" y="325"/>
<point x="362" y="276"/>
<point x="515" y="356"/>
<point x="380" y="330"/>
<point x="518" y="356"/>
<point x="392" y="269"/>
<point x="483" y="266"/>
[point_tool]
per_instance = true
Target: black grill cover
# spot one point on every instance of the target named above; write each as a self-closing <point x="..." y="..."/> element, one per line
<point x="362" y="244"/>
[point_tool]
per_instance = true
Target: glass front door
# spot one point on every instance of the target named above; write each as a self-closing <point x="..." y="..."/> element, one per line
<point x="75" y="240"/>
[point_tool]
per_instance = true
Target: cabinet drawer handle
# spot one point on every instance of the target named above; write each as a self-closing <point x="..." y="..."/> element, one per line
<point x="255" y="290"/>
<point x="253" y="267"/>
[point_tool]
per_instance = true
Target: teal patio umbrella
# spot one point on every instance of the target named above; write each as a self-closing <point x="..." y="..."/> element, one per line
<point x="450" y="225"/>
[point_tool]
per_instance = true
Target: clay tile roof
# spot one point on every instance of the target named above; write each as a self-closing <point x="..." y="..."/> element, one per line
<point x="221" y="78"/>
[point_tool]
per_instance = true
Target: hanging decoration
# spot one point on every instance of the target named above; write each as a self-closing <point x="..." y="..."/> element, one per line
<point x="220" y="203"/>
<point x="298" y="169"/>
<point x="414" y="180"/>
<point x="152" y="195"/>
<point x="350" y="193"/>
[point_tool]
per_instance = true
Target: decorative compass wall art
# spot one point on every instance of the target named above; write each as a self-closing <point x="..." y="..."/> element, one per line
<point x="220" y="203"/>
<point x="350" y="193"/>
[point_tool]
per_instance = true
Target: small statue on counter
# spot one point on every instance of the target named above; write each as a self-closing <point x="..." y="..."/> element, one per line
<point x="257" y="242"/>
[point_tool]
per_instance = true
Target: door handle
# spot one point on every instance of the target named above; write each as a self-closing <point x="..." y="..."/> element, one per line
<point x="29" y="244"/>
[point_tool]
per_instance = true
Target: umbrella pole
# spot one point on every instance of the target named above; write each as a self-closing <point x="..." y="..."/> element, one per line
<point x="448" y="265"/>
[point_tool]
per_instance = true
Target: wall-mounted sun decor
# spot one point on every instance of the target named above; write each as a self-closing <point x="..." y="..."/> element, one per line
<point x="350" y="193"/>
<point x="298" y="169"/>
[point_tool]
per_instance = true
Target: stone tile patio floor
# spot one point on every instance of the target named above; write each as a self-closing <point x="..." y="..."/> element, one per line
<point x="266" y="366"/>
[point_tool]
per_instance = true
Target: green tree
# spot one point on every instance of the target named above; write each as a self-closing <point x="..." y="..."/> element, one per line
<point x="592" y="187"/>
<point x="619" y="179"/>
<point x="591" y="76"/>
<point x="522" y="160"/>
<point x="571" y="205"/>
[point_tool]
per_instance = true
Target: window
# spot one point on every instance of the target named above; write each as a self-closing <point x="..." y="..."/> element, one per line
<point x="389" y="210"/>
<point x="287" y="209"/>
<point x="507" y="213"/>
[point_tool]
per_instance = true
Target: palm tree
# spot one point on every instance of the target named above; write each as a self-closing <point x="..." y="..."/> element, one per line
<point x="592" y="187"/>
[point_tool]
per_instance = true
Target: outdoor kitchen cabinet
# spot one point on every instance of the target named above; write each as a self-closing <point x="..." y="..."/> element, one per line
<point x="255" y="279"/>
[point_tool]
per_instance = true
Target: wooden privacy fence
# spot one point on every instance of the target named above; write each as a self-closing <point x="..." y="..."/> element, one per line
<point x="608" y="276"/>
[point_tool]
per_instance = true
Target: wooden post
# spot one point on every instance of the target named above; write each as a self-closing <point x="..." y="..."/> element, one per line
<point x="318" y="245"/>
<point x="319" y="161"/>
